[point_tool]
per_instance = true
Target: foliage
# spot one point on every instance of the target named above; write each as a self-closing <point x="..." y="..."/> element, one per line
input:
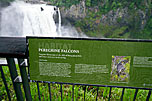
<point x="3" y="93"/>
<point x="6" y="1"/>
<point x="65" y="3"/>
<point x="90" y="95"/>
<point x="147" y="31"/>
<point x="97" y="9"/>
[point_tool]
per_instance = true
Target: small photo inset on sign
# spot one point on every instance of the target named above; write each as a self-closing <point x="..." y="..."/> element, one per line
<point x="120" y="68"/>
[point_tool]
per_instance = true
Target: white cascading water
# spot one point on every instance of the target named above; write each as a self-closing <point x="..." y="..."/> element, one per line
<point x="59" y="26"/>
<point x="22" y="19"/>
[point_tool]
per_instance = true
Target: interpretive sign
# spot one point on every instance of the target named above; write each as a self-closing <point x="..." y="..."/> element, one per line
<point x="87" y="61"/>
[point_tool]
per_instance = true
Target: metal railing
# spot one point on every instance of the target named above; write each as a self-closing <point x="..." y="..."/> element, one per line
<point x="19" y="53"/>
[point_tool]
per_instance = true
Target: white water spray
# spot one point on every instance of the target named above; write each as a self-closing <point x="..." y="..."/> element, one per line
<point x="22" y="19"/>
<point x="59" y="27"/>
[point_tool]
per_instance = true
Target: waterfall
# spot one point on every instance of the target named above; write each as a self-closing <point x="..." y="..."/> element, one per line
<point x="59" y="26"/>
<point x="21" y="19"/>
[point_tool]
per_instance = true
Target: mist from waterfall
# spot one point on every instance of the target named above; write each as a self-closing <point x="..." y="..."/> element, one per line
<point x="21" y="19"/>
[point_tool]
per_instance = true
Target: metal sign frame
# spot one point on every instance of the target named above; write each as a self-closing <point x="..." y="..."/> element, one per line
<point x="90" y="39"/>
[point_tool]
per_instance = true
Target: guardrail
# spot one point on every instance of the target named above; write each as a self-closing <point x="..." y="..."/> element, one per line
<point x="11" y="48"/>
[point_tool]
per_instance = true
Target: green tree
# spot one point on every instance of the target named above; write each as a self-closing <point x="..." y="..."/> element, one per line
<point x="6" y="1"/>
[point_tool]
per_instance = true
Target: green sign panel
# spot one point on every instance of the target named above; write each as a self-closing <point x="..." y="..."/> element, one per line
<point x="100" y="62"/>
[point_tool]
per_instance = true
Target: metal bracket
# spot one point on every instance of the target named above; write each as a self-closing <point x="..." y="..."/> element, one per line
<point x="3" y="62"/>
<point x="24" y="63"/>
<point x="18" y="79"/>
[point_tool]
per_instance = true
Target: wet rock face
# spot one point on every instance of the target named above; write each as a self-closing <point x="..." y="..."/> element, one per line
<point x="75" y="12"/>
<point x="111" y="18"/>
<point x="118" y="17"/>
<point x="122" y="17"/>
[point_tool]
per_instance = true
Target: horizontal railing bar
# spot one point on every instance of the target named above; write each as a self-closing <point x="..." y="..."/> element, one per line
<point x="13" y="47"/>
<point x="12" y="55"/>
<point x="97" y="39"/>
<point x="3" y="64"/>
<point x="91" y="85"/>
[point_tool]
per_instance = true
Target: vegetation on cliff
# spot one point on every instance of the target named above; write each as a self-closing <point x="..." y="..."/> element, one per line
<point x="6" y="1"/>
<point x="110" y="18"/>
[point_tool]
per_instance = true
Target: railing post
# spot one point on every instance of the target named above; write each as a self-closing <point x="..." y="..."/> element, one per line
<point x="5" y="83"/>
<point x="73" y="92"/>
<point x="109" y="93"/>
<point x="97" y="94"/>
<point x="25" y="82"/>
<point x="38" y="88"/>
<point x="61" y="92"/>
<point x="49" y="90"/>
<point x="13" y="73"/>
<point x="148" y="96"/>
<point x="135" y="94"/>
<point x="123" y="90"/>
